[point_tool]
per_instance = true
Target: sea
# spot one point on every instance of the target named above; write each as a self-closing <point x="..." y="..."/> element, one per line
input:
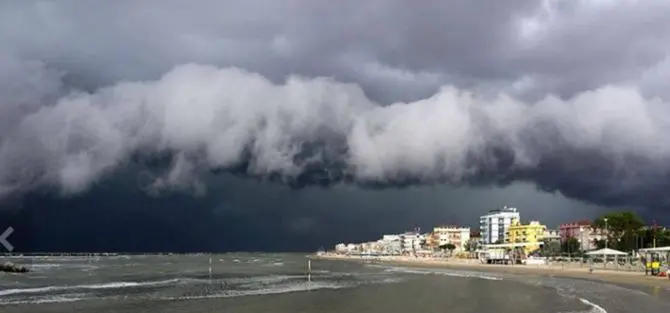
<point x="281" y="283"/>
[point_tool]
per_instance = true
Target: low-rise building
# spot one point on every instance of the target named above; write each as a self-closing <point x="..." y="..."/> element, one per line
<point x="551" y="235"/>
<point x="475" y="240"/>
<point x="583" y="232"/>
<point x="391" y="244"/>
<point x="573" y="229"/>
<point x="410" y="242"/>
<point x="340" y="248"/>
<point x="432" y="241"/>
<point x="455" y="235"/>
<point x="530" y="234"/>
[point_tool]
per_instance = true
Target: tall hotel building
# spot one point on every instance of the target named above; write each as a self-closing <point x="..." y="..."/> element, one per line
<point x="495" y="223"/>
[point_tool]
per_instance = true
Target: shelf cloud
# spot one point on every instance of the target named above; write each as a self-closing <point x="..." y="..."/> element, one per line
<point x="569" y="96"/>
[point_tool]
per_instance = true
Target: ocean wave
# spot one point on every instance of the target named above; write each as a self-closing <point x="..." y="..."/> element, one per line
<point x="62" y="266"/>
<point x="442" y="272"/>
<point x="296" y="287"/>
<point x="245" y="286"/>
<point x="45" y="266"/>
<point x="110" y="285"/>
<point x="204" y="287"/>
<point x="48" y="299"/>
<point x="265" y="279"/>
<point x="276" y="284"/>
<point x="594" y="307"/>
<point x="249" y="282"/>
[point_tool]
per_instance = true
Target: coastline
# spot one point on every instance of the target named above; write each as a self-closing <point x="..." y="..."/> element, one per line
<point x="619" y="277"/>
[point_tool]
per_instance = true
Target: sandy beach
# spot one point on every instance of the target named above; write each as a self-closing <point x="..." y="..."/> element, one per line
<point x="635" y="278"/>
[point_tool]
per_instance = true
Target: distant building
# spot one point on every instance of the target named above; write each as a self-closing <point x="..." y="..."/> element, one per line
<point x="582" y="232"/>
<point x="475" y="240"/>
<point x="531" y="233"/>
<point x="495" y="223"/>
<point x="411" y="242"/>
<point x="573" y="230"/>
<point x="551" y="235"/>
<point x="340" y="248"/>
<point x="457" y="236"/>
<point x="432" y="241"/>
<point x="391" y="244"/>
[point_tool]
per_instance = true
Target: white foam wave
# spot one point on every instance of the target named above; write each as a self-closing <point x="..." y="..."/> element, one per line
<point x="111" y="285"/>
<point x="62" y="266"/>
<point x="244" y="280"/>
<point x="594" y="307"/>
<point x="41" y="266"/>
<point x="389" y="280"/>
<point x="49" y="299"/>
<point x="443" y="273"/>
<point x="298" y="287"/>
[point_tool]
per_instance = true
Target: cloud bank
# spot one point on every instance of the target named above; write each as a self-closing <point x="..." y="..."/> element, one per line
<point x="569" y="96"/>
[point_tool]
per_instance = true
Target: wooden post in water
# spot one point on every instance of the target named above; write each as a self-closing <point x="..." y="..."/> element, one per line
<point x="309" y="273"/>
<point x="210" y="269"/>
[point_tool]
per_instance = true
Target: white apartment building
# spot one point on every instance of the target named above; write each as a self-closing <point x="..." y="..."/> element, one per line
<point x="587" y="238"/>
<point x="458" y="236"/>
<point x="495" y="223"/>
<point x="340" y="248"/>
<point x="410" y="242"/>
<point x="391" y="244"/>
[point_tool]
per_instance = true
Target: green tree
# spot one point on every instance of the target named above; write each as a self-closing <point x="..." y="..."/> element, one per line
<point x="449" y="246"/>
<point x="601" y="243"/>
<point x="645" y="237"/>
<point x="622" y="229"/>
<point x="663" y="238"/>
<point x="571" y="245"/>
<point x="551" y="248"/>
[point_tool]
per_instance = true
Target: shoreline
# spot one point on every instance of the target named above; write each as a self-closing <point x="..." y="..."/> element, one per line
<point x="619" y="277"/>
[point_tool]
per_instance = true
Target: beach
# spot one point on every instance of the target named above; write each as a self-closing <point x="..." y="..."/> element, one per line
<point x="568" y="270"/>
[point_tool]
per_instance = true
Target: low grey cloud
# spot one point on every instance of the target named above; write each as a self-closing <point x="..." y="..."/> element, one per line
<point x="567" y="95"/>
<point x="550" y="46"/>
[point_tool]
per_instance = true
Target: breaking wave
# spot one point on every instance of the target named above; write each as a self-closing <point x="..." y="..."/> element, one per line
<point x="443" y="272"/>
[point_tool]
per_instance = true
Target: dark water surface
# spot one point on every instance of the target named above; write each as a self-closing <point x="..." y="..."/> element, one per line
<point x="278" y="283"/>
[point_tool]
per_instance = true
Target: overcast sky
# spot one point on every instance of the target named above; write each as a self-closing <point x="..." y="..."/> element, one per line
<point x="384" y="114"/>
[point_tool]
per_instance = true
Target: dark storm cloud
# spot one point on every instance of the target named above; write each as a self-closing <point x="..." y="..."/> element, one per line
<point x="554" y="46"/>
<point x="254" y="216"/>
<point x="455" y="92"/>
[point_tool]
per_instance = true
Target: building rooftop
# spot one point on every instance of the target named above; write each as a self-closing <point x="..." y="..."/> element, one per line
<point x="504" y="209"/>
<point x="451" y="226"/>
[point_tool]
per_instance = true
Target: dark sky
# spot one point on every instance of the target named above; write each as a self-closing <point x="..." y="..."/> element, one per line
<point x="243" y="214"/>
<point x="286" y="125"/>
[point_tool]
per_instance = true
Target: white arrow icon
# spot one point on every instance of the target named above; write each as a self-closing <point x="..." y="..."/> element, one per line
<point x="3" y="239"/>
